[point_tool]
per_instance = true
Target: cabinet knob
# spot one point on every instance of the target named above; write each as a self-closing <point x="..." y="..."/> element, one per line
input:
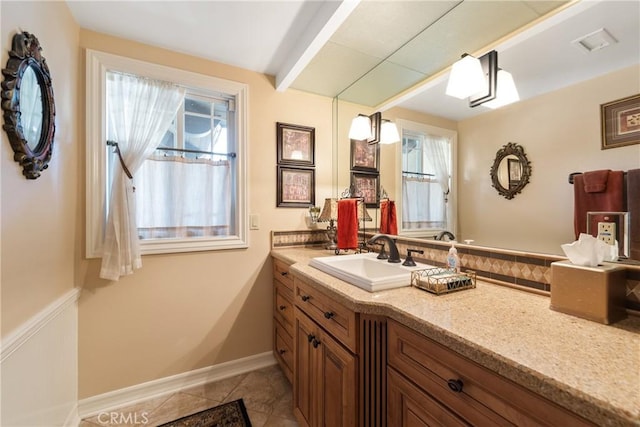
<point x="328" y="314"/>
<point x="284" y="273"/>
<point x="455" y="385"/>
<point x="305" y="298"/>
<point x="282" y="351"/>
<point x="315" y="343"/>
<point x="282" y="307"/>
<point x="311" y="337"/>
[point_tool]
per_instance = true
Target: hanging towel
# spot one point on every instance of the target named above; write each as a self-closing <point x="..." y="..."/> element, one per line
<point x="586" y="199"/>
<point x="633" y="207"/>
<point x="388" y="219"/>
<point x="347" y="224"/>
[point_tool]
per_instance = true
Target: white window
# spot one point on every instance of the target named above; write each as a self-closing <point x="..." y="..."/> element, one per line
<point x="191" y="193"/>
<point x="426" y="184"/>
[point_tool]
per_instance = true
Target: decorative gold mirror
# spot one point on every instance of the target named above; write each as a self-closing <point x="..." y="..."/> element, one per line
<point x="511" y="170"/>
<point x="28" y="105"/>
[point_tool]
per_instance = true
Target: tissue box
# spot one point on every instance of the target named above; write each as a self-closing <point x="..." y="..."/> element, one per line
<point x="593" y="293"/>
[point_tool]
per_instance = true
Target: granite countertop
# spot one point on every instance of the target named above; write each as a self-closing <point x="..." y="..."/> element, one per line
<point x="590" y="368"/>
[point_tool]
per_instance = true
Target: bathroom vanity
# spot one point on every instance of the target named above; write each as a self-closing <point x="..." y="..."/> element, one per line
<point x="484" y="356"/>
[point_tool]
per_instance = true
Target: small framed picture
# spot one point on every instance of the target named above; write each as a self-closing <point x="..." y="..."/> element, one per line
<point x="366" y="185"/>
<point x="296" y="187"/>
<point x="365" y="156"/>
<point x="295" y="144"/>
<point x="620" y="122"/>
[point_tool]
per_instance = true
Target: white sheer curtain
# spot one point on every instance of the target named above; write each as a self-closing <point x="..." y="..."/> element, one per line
<point x="139" y="112"/>
<point x="198" y="189"/>
<point x="437" y="152"/>
<point x="422" y="204"/>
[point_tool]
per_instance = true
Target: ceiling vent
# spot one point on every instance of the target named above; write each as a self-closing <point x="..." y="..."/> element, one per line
<point x="597" y="40"/>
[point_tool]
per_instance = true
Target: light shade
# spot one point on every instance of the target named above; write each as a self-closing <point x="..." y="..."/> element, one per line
<point x="506" y="91"/>
<point x="466" y="78"/>
<point x="329" y="211"/>
<point x="360" y="128"/>
<point x="389" y="132"/>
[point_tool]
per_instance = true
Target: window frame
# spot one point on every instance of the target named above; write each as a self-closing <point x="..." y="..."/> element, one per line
<point x="97" y="65"/>
<point x="453" y="187"/>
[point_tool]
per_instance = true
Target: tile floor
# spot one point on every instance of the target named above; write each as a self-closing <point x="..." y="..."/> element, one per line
<point x="266" y="393"/>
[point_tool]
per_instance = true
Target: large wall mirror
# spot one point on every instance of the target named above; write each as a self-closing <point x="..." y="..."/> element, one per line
<point x="28" y="105"/>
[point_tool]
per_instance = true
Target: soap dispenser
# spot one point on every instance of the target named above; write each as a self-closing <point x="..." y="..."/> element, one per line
<point x="453" y="261"/>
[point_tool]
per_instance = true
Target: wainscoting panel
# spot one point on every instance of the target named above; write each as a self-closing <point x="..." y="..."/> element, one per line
<point x="39" y="365"/>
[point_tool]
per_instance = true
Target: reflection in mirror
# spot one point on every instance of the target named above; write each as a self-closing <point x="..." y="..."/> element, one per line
<point x="427" y="206"/>
<point x="28" y="105"/>
<point x="511" y="170"/>
<point x="31" y="108"/>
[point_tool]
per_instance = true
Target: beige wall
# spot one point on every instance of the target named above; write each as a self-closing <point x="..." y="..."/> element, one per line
<point x="40" y="240"/>
<point x="187" y="311"/>
<point x="560" y="133"/>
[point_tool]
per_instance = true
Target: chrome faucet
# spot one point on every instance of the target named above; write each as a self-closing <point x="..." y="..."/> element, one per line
<point x="394" y="255"/>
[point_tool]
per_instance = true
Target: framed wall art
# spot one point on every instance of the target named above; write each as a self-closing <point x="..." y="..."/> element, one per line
<point x="620" y="122"/>
<point x="295" y="144"/>
<point x="366" y="185"/>
<point x="296" y="187"/>
<point x="365" y="156"/>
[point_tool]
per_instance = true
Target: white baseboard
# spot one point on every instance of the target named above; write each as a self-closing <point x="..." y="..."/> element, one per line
<point x="73" y="419"/>
<point x="130" y="395"/>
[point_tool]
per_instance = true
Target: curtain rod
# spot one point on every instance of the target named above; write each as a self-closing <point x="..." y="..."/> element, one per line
<point x="181" y="150"/>
<point x="417" y="173"/>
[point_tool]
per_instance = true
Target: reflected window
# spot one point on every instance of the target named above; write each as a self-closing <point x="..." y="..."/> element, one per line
<point x="426" y="180"/>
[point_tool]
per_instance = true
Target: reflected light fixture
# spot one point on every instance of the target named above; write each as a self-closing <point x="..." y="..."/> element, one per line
<point x="373" y="129"/>
<point x="360" y="128"/>
<point x="506" y="91"/>
<point x="480" y="80"/>
<point x="388" y="132"/>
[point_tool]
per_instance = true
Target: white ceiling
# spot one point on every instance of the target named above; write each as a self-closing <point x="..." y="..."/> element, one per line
<point x="289" y="39"/>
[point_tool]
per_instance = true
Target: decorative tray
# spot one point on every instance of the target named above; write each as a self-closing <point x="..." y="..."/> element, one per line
<point x="442" y="280"/>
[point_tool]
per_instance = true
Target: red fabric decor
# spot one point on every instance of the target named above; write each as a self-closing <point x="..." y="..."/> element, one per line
<point x="609" y="199"/>
<point x="347" y="224"/>
<point x="388" y="219"/>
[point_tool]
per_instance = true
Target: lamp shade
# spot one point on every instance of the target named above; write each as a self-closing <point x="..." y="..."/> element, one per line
<point x="466" y="78"/>
<point x="360" y="128"/>
<point x="389" y="132"/>
<point x="507" y="92"/>
<point x="329" y="211"/>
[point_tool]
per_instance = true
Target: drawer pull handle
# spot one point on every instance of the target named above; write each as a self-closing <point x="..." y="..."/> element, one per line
<point x="315" y="343"/>
<point x="311" y="337"/>
<point x="284" y="273"/>
<point x="305" y="298"/>
<point x="328" y="314"/>
<point x="455" y="385"/>
<point x="282" y="351"/>
<point x="282" y="307"/>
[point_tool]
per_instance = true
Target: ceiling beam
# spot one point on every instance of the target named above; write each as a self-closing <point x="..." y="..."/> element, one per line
<point x="328" y="19"/>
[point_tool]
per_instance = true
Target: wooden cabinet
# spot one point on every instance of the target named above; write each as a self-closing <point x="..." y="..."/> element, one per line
<point x="283" y="322"/>
<point x="325" y="384"/>
<point x="428" y="385"/>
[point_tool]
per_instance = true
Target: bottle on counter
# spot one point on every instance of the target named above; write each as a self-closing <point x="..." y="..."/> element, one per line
<point x="453" y="260"/>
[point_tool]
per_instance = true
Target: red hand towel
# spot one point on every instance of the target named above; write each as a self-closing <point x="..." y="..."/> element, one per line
<point x="610" y="200"/>
<point x="596" y="181"/>
<point x="388" y="219"/>
<point x="347" y="224"/>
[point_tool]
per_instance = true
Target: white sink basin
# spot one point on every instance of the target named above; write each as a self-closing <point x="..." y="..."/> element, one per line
<point x="366" y="271"/>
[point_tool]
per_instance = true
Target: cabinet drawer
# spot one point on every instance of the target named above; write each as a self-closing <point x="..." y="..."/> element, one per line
<point x="281" y="273"/>
<point x="335" y="318"/>
<point x="283" y="350"/>
<point x="483" y="398"/>
<point x="283" y="306"/>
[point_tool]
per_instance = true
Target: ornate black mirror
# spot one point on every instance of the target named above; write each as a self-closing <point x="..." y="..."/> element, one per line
<point x="28" y="105"/>
<point x="511" y="170"/>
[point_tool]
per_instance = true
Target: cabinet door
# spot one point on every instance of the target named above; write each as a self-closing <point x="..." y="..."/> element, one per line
<point x="303" y="379"/>
<point x="408" y="406"/>
<point x="337" y="391"/>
